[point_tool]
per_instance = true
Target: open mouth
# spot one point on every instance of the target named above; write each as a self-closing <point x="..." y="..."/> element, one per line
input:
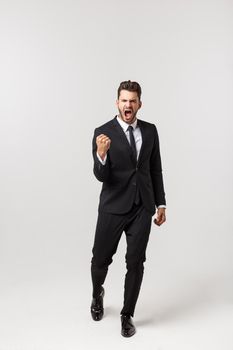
<point x="128" y="112"/>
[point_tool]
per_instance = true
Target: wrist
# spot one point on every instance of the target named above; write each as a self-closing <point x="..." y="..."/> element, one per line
<point x="101" y="154"/>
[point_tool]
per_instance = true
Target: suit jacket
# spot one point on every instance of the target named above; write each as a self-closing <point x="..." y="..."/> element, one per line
<point x="122" y="172"/>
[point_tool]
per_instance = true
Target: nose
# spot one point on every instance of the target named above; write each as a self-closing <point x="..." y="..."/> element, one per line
<point x="128" y="104"/>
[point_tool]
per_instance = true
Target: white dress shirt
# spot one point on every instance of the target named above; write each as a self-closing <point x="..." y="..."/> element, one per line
<point x="138" y="140"/>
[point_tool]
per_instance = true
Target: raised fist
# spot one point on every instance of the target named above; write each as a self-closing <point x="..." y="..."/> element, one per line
<point x="103" y="145"/>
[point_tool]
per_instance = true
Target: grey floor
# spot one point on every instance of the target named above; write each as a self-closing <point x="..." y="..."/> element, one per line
<point x="48" y="309"/>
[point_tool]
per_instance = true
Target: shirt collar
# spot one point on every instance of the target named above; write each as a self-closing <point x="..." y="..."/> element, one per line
<point x="124" y="125"/>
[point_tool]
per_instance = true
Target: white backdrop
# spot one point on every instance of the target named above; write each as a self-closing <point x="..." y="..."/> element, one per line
<point x="61" y="63"/>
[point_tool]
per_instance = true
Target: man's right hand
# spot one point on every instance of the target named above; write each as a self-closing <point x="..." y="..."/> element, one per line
<point x="103" y="145"/>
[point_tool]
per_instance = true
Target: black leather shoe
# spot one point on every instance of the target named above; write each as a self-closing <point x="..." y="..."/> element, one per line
<point x="97" y="307"/>
<point x="127" y="327"/>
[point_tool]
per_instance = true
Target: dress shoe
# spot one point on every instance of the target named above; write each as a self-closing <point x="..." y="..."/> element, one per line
<point x="97" y="308"/>
<point x="127" y="327"/>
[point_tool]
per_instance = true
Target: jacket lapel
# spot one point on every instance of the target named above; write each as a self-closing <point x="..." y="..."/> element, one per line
<point x="141" y="126"/>
<point x="122" y="135"/>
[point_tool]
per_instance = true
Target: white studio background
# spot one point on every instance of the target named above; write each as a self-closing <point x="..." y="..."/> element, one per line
<point x="61" y="63"/>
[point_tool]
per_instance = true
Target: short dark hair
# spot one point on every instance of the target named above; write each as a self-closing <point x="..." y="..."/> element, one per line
<point x="130" y="86"/>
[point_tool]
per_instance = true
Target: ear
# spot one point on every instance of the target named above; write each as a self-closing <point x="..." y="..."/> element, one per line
<point x="117" y="103"/>
<point x="140" y="104"/>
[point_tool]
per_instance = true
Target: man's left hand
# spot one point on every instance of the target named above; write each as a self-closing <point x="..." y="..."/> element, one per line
<point x="160" y="216"/>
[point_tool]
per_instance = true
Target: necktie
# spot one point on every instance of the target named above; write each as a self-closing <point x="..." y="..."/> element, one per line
<point x="133" y="146"/>
<point x="132" y="141"/>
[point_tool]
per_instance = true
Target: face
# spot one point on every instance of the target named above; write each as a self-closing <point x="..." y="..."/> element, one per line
<point x="128" y="104"/>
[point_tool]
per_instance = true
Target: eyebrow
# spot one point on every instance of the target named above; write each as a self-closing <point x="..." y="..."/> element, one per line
<point x="124" y="99"/>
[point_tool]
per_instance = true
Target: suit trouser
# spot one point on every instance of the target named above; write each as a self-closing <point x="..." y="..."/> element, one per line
<point x="137" y="225"/>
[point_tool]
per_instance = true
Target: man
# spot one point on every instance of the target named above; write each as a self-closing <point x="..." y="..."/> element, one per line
<point x="127" y="161"/>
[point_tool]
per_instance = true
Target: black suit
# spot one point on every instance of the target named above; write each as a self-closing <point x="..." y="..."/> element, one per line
<point x="121" y="172"/>
<point x="122" y="177"/>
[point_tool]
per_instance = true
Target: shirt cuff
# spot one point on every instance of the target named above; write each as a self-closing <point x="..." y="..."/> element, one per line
<point x="102" y="161"/>
<point x="161" y="206"/>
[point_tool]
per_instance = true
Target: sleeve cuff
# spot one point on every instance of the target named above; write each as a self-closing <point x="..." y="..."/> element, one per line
<point x="102" y="161"/>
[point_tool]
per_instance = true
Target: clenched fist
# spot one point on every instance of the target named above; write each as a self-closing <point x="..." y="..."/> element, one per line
<point x="103" y="145"/>
<point x="161" y="216"/>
